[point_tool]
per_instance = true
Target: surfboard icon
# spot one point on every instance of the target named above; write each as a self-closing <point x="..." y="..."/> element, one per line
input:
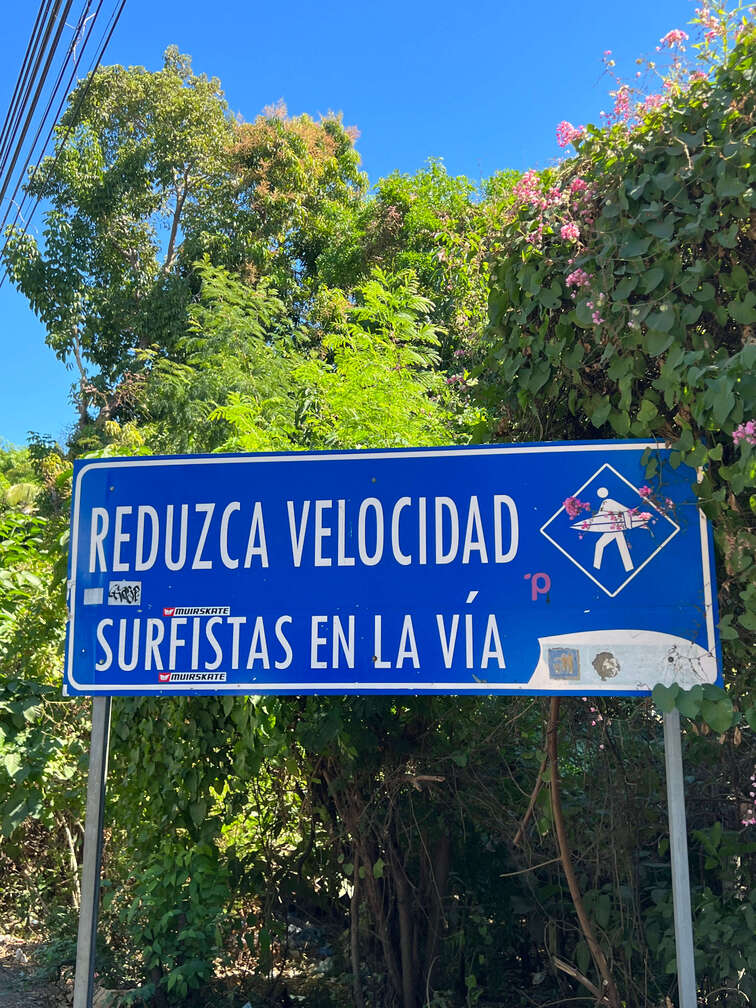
<point x="614" y="521"/>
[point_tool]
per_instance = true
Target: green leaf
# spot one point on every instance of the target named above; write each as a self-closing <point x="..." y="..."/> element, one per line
<point x="657" y="342"/>
<point x="600" y="412"/>
<point x="717" y="714"/>
<point x="647" y="411"/>
<point x="689" y="701"/>
<point x="724" y="402"/>
<point x="705" y="294"/>
<point x="729" y="187"/>
<point x="664" y="180"/>
<point x="743" y="311"/>
<point x="378" y="868"/>
<point x="575" y="355"/>
<point x="665" y="697"/>
<point x="652" y="279"/>
<point x="663" y="229"/>
<point x="198" y="811"/>
<point x="634" y="247"/>
<point x="691" y="313"/>
<point x="625" y="287"/>
<point x="728" y="238"/>
<point x="663" y="319"/>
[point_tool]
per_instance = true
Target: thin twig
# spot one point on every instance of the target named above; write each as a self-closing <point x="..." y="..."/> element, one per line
<point x="534" y="867"/>
<point x="612" y="994"/>
<point x="532" y="802"/>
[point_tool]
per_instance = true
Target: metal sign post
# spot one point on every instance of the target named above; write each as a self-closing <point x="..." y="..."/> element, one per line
<point x="678" y="850"/>
<point x="93" y="835"/>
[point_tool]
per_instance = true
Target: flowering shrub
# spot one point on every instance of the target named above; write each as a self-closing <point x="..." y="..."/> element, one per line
<point x="622" y="300"/>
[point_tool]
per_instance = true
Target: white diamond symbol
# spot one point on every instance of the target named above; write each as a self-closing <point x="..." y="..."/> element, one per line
<point x="608" y="556"/>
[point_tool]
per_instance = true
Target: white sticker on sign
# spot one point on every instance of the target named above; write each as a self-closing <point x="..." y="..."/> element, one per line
<point x="125" y="593"/>
<point x="94" y="596"/>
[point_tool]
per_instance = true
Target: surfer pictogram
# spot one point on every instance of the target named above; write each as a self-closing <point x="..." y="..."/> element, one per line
<point x="610" y="523"/>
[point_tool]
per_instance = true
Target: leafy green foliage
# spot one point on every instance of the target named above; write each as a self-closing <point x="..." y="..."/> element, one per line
<point x="656" y="289"/>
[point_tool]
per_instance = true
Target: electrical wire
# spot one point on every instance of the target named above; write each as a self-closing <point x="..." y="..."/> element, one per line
<point x="31" y="48"/>
<point x="56" y="88"/>
<point x="94" y="64"/>
<point x="40" y="84"/>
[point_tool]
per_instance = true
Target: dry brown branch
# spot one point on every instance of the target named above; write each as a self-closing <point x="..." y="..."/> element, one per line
<point x="570" y="970"/>
<point x="531" y="803"/>
<point x="612" y="995"/>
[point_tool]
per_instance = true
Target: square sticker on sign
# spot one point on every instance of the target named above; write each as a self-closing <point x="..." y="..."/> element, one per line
<point x="125" y="593"/>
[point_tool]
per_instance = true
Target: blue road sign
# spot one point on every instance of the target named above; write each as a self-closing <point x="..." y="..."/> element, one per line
<point x="546" y="568"/>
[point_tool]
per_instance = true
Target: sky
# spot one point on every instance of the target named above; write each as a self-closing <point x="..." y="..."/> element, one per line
<point x="481" y="86"/>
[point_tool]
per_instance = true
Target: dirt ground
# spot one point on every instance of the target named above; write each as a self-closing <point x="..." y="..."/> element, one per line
<point x="19" y="986"/>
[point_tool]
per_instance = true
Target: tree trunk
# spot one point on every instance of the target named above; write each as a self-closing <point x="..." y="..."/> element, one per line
<point x="354" y="934"/>
<point x="403" y="902"/>
<point x="439" y="880"/>
<point x="609" y="992"/>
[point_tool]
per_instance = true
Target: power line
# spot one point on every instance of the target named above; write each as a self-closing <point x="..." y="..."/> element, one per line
<point x="31" y="47"/>
<point x="94" y="64"/>
<point x="82" y="21"/>
<point x="38" y="91"/>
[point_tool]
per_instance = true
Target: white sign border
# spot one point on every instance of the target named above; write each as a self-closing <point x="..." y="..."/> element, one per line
<point x="348" y="688"/>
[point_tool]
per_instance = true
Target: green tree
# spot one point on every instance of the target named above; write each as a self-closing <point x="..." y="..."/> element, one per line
<point x="138" y="188"/>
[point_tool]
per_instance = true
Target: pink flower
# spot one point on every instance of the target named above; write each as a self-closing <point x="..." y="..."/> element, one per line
<point x="578" y="185"/>
<point x="570" y="232"/>
<point x="745" y="432"/>
<point x="651" y="102"/>
<point x="573" y="506"/>
<point x="566" y="133"/>
<point x="645" y="491"/>
<point x="622" y="102"/>
<point x="597" y="319"/>
<point x="578" y="278"/>
<point x="528" y="189"/>
<point x="674" y="38"/>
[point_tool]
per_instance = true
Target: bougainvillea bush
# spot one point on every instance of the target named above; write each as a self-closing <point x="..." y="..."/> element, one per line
<point x="643" y="245"/>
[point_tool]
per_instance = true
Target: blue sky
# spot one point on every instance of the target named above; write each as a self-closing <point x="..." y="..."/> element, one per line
<point x="480" y="85"/>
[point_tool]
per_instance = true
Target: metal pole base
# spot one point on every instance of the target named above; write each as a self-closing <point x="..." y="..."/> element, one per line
<point x="90" y="872"/>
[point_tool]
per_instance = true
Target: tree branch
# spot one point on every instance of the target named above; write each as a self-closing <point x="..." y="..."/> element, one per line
<point x="610" y="995"/>
<point x="178" y="209"/>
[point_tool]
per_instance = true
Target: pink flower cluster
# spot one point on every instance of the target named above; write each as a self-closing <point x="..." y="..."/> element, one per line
<point x="645" y="516"/>
<point x="645" y="491"/>
<point x="673" y="38"/>
<point x="573" y="506"/>
<point x="595" y="310"/>
<point x="578" y="185"/>
<point x="745" y="432"/>
<point x="622" y="108"/>
<point x="528" y="189"/>
<point x="578" y="278"/>
<point x="596" y="717"/>
<point x="709" y="22"/>
<point x="566" y="133"/>
<point x="651" y="102"/>
<point x="570" y="232"/>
